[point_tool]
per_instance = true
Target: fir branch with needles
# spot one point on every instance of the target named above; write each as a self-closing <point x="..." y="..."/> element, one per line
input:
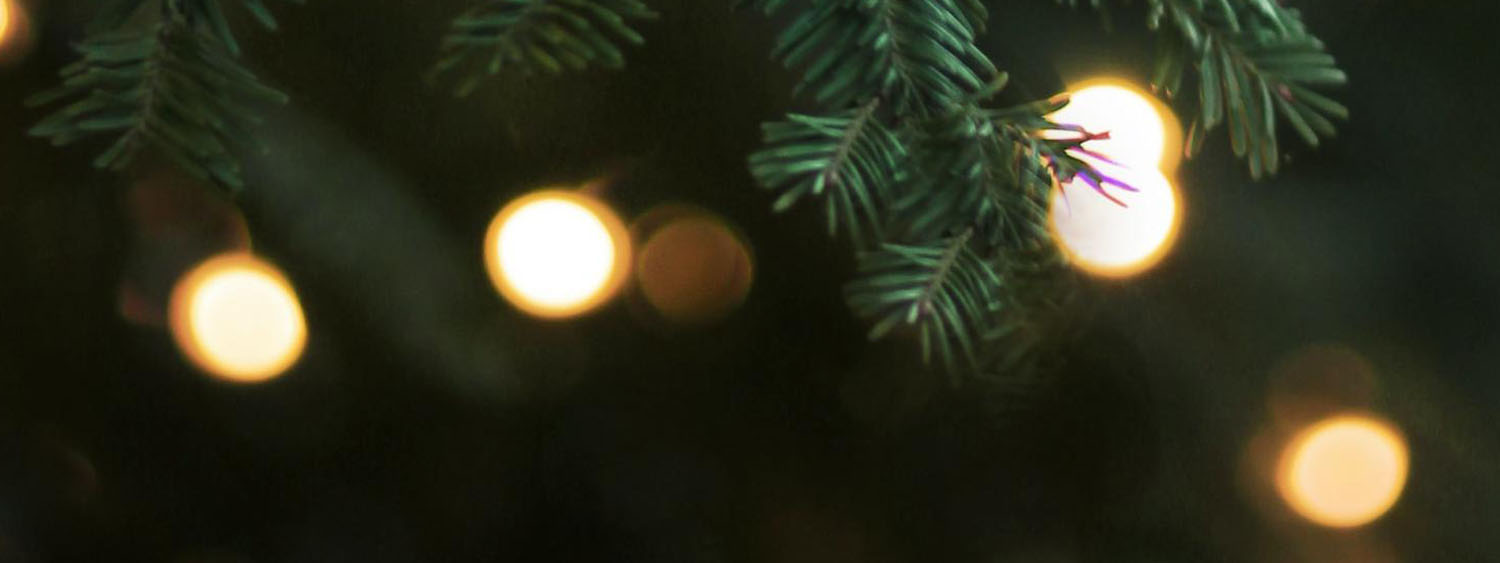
<point x="539" y="36"/>
<point x="944" y="198"/>
<point x="950" y="215"/>
<point x="919" y="56"/>
<point x="937" y="288"/>
<point x="171" y="84"/>
<point x="1255" y="64"/>
<point x="850" y="158"/>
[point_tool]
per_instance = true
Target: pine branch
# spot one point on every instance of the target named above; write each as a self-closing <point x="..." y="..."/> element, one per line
<point x="960" y="174"/>
<point x="535" y="36"/>
<point x="989" y="169"/>
<point x="173" y="86"/>
<point x="210" y="14"/>
<point x="991" y="173"/>
<point x="944" y="291"/>
<point x="918" y="55"/>
<point x="956" y="194"/>
<point x="1254" y="61"/>
<point x="1048" y="154"/>
<point x="849" y="157"/>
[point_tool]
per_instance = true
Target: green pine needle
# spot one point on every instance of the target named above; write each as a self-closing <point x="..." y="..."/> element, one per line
<point x="539" y="37"/>
<point x="849" y="158"/>
<point x="173" y="86"/>
<point x="919" y="55"/>
<point x="1256" y="65"/>
<point x="943" y="291"/>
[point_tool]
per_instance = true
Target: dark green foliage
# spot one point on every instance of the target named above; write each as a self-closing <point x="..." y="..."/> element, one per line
<point x="985" y="175"/>
<point x="1254" y="61"/>
<point x="539" y="36"/>
<point x="956" y="194"/>
<point x="989" y="169"/>
<point x="952" y="195"/>
<point x="962" y="177"/>
<point x="917" y="56"/>
<point x="944" y="289"/>
<point x="849" y="158"/>
<point x="171" y="84"/>
<point x="210" y="14"/>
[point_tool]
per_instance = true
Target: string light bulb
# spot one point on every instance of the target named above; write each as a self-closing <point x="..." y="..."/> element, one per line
<point x="557" y="253"/>
<point x="1120" y="235"/>
<point x="237" y="317"/>
<point x="1344" y="472"/>
<point x="1113" y="230"/>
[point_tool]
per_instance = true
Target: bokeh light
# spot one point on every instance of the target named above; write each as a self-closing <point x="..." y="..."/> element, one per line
<point x="1143" y="133"/>
<point x="1343" y="472"/>
<point x="692" y="268"/>
<point x="557" y="253"/>
<point x="1120" y="237"/>
<point x="236" y="317"/>
<point x="15" y="32"/>
<point x="4" y="20"/>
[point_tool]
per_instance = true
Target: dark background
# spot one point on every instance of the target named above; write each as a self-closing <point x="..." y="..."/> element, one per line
<point x="429" y="421"/>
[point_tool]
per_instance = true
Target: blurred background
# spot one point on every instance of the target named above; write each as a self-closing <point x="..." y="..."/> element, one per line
<point x="430" y="420"/>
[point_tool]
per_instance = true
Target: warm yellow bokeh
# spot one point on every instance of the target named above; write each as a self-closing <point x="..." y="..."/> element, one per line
<point x="4" y="19"/>
<point x="1143" y="132"/>
<point x="1344" y="472"/>
<point x="16" y="37"/>
<point x="1116" y="238"/>
<point x="556" y="253"/>
<point x="237" y="317"/>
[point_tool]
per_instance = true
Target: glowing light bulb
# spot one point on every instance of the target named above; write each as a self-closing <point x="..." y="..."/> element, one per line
<point x="1116" y="238"/>
<point x="4" y="19"/>
<point x="237" y="317"/>
<point x="556" y="253"/>
<point x="1140" y="128"/>
<point x="1344" y="472"/>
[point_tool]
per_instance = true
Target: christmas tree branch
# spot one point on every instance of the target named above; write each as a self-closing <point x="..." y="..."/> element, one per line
<point x="1254" y="61"/>
<point x="954" y="194"/>
<point x="172" y="85"/>
<point x="534" y="36"/>
<point x="919" y="56"/>
<point x="944" y="289"/>
<point x="850" y="158"/>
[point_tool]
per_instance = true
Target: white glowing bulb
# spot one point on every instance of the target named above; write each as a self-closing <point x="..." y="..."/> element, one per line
<point x="1121" y="237"/>
<point x="1137" y="125"/>
<point x="555" y="253"/>
<point x="1344" y="472"/>
<point x="237" y="318"/>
